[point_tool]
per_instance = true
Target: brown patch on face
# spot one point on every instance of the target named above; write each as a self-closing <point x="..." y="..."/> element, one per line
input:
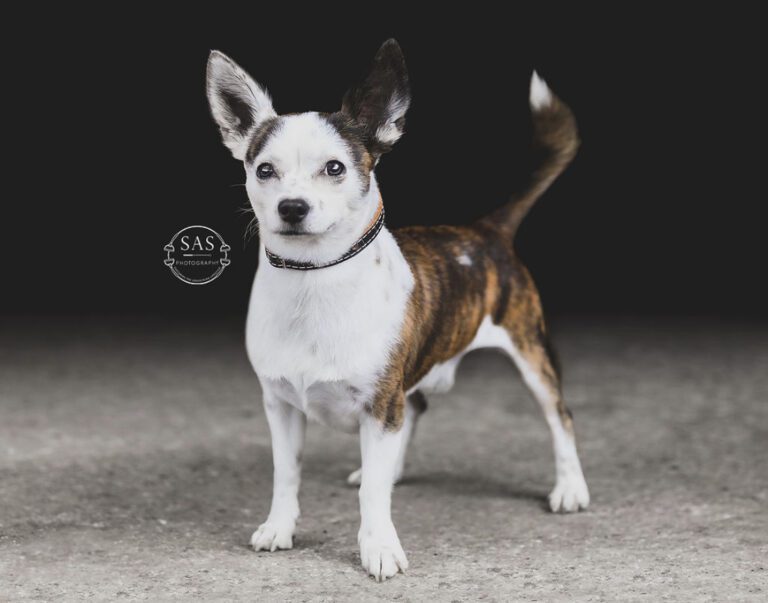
<point x="354" y="136"/>
<point x="263" y="133"/>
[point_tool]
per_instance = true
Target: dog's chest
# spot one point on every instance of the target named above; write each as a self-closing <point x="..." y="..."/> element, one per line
<point x="321" y="339"/>
<point x="337" y="404"/>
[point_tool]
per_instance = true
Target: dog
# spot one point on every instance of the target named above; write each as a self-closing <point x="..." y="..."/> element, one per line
<point x="351" y="324"/>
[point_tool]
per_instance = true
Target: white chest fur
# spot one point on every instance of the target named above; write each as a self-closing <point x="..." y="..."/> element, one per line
<point x="320" y="339"/>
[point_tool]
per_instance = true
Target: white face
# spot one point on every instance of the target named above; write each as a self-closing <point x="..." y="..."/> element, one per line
<point x="304" y="185"/>
<point x="310" y="176"/>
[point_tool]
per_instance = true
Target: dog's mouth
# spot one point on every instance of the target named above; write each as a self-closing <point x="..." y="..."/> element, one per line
<point x="297" y="232"/>
<point x="294" y="233"/>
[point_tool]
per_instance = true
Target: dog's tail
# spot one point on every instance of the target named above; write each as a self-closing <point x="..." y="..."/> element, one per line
<point x="555" y="142"/>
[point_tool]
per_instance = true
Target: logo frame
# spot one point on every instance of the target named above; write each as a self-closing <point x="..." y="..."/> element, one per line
<point x="219" y="255"/>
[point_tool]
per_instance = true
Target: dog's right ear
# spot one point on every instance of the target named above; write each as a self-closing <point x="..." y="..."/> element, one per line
<point x="238" y="104"/>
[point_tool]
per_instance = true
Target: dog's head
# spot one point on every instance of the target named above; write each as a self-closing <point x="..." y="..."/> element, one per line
<point x="309" y="176"/>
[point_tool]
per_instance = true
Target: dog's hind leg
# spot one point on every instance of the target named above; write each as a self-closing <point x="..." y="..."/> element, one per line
<point x="530" y="349"/>
<point x="415" y="407"/>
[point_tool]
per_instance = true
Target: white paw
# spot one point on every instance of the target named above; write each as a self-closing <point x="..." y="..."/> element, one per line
<point x="353" y="479"/>
<point x="570" y="494"/>
<point x="381" y="553"/>
<point x="273" y="535"/>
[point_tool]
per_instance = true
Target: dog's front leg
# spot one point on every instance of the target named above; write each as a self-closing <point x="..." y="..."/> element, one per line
<point x="286" y="425"/>
<point x="380" y="550"/>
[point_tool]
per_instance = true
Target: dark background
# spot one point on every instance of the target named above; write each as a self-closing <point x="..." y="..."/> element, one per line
<point x="112" y="150"/>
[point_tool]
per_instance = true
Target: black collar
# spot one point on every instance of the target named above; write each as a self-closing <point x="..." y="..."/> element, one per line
<point x="361" y="244"/>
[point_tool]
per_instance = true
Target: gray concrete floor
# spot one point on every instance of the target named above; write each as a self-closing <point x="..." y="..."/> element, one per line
<point x="135" y="463"/>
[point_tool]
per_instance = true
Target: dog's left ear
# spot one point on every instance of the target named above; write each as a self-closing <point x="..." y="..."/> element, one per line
<point x="379" y="104"/>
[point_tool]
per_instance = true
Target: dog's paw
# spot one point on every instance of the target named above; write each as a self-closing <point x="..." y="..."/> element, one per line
<point x="353" y="479"/>
<point x="381" y="553"/>
<point x="570" y="494"/>
<point x="273" y="535"/>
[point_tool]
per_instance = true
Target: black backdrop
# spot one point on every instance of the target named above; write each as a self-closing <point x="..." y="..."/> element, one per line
<point x="114" y="150"/>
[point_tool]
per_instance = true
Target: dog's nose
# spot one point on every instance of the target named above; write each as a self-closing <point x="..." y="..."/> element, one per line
<point x="293" y="210"/>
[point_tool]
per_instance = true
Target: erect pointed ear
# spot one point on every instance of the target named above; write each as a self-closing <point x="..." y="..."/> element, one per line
<point x="379" y="104"/>
<point x="238" y="104"/>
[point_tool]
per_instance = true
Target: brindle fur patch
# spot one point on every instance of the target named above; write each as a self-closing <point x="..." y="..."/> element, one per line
<point x="450" y="300"/>
<point x="464" y="273"/>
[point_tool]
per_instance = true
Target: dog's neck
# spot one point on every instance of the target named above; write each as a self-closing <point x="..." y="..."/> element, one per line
<point x="342" y="245"/>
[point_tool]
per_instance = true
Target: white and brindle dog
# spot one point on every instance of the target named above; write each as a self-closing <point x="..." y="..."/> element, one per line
<point x="349" y="324"/>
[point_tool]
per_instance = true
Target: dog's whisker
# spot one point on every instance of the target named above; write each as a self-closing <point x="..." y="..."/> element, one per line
<point x="251" y="229"/>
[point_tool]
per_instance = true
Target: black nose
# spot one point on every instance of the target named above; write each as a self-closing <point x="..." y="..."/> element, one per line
<point x="293" y="210"/>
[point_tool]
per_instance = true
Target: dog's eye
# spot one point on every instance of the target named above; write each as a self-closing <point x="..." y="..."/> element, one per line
<point x="334" y="168"/>
<point x="264" y="171"/>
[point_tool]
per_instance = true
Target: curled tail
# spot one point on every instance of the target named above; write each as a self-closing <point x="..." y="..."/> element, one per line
<point x="555" y="142"/>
